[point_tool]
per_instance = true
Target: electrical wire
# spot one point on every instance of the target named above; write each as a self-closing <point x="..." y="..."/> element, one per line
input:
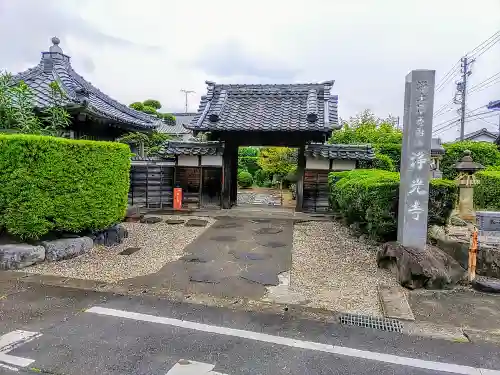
<point x="486" y="86"/>
<point x="447" y="77"/>
<point x="484" y="44"/>
<point x="488" y="80"/>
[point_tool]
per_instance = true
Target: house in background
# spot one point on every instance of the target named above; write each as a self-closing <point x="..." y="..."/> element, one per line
<point x="482" y="135"/>
<point x="177" y="130"/>
<point x="94" y="115"/>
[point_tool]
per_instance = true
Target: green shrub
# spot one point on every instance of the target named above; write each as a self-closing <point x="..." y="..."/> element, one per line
<point x="55" y="184"/>
<point x="392" y="150"/>
<point x="487" y="193"/>
<point x="263" y="178"/>
<point x="249" y="163"/>
<point x="381" y="161"/>
<point x="370" y="198"/>
<point x="245" y="179"/>
<point x="484" y="153"/>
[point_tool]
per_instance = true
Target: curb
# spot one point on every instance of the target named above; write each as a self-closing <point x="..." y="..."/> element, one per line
<point x="410" y="328"/>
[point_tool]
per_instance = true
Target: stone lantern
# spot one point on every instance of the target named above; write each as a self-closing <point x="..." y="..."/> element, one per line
<point x="466" y="182"/>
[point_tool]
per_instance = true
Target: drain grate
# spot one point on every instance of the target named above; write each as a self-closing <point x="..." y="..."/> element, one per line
<point x="384" y="324"/>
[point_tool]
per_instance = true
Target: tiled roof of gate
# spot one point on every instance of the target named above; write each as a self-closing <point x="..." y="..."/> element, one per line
<point x="192" y="148"/>
<point x="55" y="66"/>
<point x="293" y="107"/>
<point x="340" y="151"/>
<point x="436" y="147"/>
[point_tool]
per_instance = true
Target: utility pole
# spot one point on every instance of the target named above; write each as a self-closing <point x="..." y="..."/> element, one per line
<point x="186" y="93"/>
<point x="462" y="92"/>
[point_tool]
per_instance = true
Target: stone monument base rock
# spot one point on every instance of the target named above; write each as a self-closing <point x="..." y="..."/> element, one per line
<point x="414" y="269"/>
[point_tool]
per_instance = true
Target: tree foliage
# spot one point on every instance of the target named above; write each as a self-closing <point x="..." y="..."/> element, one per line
<point x="18" y="113"/>
<point x="277" y="160"/>
<point x="485" y="153"/>
<point x="151" y="107"/>
<point x="367" y="128"/>
<point x="152" y="141"/>
<point x="152" y="103"/>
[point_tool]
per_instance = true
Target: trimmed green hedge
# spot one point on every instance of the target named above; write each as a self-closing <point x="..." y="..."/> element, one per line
<point x="392" y="150"/>
<point x="370" y="198"/>
<point x="381" y="161"/>
<point x="487" y="193"/>
<point x="485" y="153"/>
<point x="55" y="184"/>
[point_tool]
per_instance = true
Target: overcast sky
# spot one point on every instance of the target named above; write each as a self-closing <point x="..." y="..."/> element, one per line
<point x="134" y="50"/>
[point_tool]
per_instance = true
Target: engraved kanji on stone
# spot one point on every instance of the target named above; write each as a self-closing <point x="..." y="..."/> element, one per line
<point x="423" y="86"/>
<point x="415" y="210"/>
<point x="416" y="187"/>
<point x="418" y="160"/>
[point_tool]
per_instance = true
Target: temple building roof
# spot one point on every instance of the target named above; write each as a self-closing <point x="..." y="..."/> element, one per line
<point x="192" y="148"/>
<point x="340" y="151"/>
<point x="55" y="66"/>
<point x="267" y="108"/>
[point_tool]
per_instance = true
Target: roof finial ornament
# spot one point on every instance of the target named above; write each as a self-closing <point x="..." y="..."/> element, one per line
<point x="55" y="45"/>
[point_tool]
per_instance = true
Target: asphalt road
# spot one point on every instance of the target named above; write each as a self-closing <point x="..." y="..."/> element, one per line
<point x="61" y="331"/>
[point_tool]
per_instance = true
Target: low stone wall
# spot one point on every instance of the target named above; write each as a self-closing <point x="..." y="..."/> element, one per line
<point x="15" y="256"/>
<point x="456" y="241"/>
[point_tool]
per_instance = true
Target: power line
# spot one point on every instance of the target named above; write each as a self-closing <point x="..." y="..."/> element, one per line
<point x="490" y="80"/>
<point x="447" y="77"/>
<point x="484" y="44"/>
<point x="445" y="125"/>
<point x="487" y="86"/>
<point x="487" y="122"/>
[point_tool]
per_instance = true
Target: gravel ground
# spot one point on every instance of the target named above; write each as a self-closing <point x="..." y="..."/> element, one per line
<point x="160" y="243"/>
<point x="335" y="270"/>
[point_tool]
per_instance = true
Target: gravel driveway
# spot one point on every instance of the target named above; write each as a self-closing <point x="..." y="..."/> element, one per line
<point x="160" y="243"/>
<point x="334" y="270"/>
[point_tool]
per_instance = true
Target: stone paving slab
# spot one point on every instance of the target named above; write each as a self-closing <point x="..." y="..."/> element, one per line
<point x="394" y="303"/>
<point x="232" y="258"/>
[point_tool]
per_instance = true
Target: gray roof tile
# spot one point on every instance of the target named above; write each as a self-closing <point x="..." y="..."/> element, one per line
<point x="192" y="148"/>
<point x="294" y="107"/>
<point x="56" y="66"/>
<point x="339" y="151"/>
<point x="178" y="128"/>
<point x="436" y="147"/>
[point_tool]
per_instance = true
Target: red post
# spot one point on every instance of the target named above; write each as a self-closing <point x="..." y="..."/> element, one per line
<point x="177" y="198"/>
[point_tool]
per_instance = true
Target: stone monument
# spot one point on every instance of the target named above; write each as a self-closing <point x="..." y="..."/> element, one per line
<point x="466" y="180"/>
<point x="415" y="158"/>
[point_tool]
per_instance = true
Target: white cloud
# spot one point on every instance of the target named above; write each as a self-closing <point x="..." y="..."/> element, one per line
<point x="140" y="49"/>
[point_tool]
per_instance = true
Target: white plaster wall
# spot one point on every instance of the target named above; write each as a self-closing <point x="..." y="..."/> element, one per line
<point x="483" y="138"/>
<point x="343" y="165"/>
<point x="317" y="163"/>
<point x="213" y="160"/>
<point x="187" y="160"/>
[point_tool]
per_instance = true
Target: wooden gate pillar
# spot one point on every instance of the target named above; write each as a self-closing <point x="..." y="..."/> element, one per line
<point x="301" y="166"/>
<point x="229" y="172"/>
<point x="234" y="175"/>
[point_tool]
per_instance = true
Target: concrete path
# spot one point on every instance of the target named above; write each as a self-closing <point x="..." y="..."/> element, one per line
<point x="478" y="314"/>
<point x="106" y="334"/>
<point x="233" y="258"/>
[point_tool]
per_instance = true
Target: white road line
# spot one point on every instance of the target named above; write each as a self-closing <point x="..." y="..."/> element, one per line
<point x="294" y="343"/>
<point x="184" y="367"/>
<point x="12" y="340"/>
